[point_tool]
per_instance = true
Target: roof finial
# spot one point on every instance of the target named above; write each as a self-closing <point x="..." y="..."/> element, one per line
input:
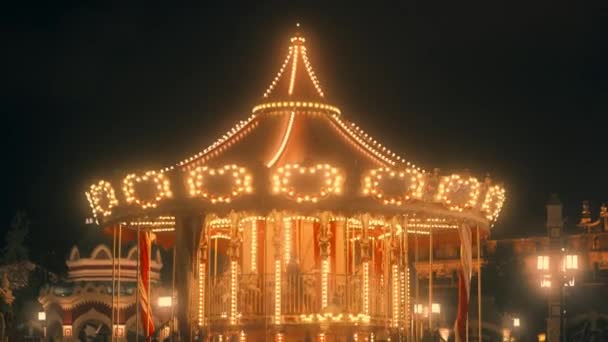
<point x="297" y="38"/>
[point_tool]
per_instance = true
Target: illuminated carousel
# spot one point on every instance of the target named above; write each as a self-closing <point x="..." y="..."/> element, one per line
<point x="296" y="224"/>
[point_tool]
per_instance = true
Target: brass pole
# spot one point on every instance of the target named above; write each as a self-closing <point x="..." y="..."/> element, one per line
<point x="149" y="248"/>
<point x="430" y="279"/>
<point x="173" y="299"/>
<point x="113" y="277"/>
<point x="119" y="256"/>
<point x="137" y="303"/>
<point x="417" y="301"/>
<point x="479" y="318"/>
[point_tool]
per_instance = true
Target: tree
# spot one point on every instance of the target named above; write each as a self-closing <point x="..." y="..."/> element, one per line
<point x="14" y="249"/>
<point x="20" y="279"/>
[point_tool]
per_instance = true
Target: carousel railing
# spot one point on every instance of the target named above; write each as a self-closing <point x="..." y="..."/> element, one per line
<point x="300" y="295"/>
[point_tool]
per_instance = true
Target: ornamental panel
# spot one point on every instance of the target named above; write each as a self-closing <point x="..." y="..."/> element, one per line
<point x="221" y="185"/>
<point x="307" y="184"/>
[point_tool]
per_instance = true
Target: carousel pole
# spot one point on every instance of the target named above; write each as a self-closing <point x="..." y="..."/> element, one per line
<point x="479" y="318"/>
<point x="467" y="328"/>
<point x="118" y="295"/>
<point x="172" y="320"/>
<point x="406" y="260"/>
<point x="137" y="292"/>
<point x="149" y="249"/>
<point x="416" y="330"/>
<point x="431" y="280"/>
<point x="113" y="278"/>
<point x="346" y="264"/>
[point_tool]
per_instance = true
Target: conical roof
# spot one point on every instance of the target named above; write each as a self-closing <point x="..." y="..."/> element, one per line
<point x="296" y="79"/>
<point x="294" y="124"/>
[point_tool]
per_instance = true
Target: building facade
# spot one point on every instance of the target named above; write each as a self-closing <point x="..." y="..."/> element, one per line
<point x="79" y="308"/>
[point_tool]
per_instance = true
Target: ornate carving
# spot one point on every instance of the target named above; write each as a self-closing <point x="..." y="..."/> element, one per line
<point x="236" y="236"/>
<point x="364" y="237"/>
<point x="394" y="241"/>
<point x="324" y="235"/>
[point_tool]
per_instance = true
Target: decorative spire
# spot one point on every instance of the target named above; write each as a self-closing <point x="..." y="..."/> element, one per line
<point x="300" y="74"/>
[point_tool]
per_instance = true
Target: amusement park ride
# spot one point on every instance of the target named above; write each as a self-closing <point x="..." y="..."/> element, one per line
<point x="296" y="222"/>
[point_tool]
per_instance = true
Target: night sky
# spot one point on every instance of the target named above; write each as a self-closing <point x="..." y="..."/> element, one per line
<point x="519" y="90"/>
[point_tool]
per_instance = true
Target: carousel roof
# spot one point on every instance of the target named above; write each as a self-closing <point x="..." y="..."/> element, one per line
<point x="294" y="141"/>
<point x="293" y="123"/>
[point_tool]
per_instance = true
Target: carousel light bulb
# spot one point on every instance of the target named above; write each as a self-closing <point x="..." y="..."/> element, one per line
<point x="277" y="292"/>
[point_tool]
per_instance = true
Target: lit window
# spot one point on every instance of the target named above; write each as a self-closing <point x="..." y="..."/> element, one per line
<point x="515" y="322"/>
<point x="435" y="308"/>
<point x="545" y="282"/>
<point x="542" y="262"/>
<point x="571" y="262"/>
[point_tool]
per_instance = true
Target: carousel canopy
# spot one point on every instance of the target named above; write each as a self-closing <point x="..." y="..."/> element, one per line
<point x="296" y="152"/>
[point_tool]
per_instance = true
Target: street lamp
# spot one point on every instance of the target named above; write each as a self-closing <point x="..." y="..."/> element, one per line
<point x="444" y="334"/>
<point x="563" y="274"/>
<point x="165" y="302"/>
<point x="516" y="322"/>
<point x="42" y="319"/>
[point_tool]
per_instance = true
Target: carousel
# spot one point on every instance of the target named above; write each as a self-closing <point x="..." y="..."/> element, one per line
<point x="296" y="225"/>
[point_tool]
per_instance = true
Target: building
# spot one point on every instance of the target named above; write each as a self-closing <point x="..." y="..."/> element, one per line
<point x="551" y="283"/>
<point x="79" y="308"/>
<point x="567" y="269"/>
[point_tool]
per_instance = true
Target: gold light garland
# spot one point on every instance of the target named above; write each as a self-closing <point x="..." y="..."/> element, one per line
<point x="294" y="67"/>
<point x="396" y="293"/>
<point x="97" y="193"/>
<point x="324" y="283"/>
<point x="367" y="144"/>
<point x="254" y="247"/>
<point x="296" y="49"/>
<point x="332" y="181"/>
<point x="366" y="287"/>
<point x="450" y="185"/>
<point x="495" y="196"/>
<point x="311" y="72"/>
<point x="277" y="292"/>
<point x="284" y="141"/>
<point x="287" y="239"/>
<point x="371" y="184"/>
<point x="233" y="292"/>
<point x="241" y="128"/>
<point x="278" y="76"/>
<point x="241" y="183"/>
<point x="162" y="185"/>
<point x="201" y="292"/>
<point x="296" y="104"/>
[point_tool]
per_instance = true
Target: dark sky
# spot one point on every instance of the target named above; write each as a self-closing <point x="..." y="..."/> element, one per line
<point x="515" y="89"/>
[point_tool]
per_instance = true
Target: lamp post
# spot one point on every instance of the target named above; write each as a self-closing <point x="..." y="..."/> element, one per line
<point x="422" y="310"/>
<point x="42" y="320"/>
<point x="556" y="277"/>
<point x="516" y="324"/>
<point x="164" y="303"/>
